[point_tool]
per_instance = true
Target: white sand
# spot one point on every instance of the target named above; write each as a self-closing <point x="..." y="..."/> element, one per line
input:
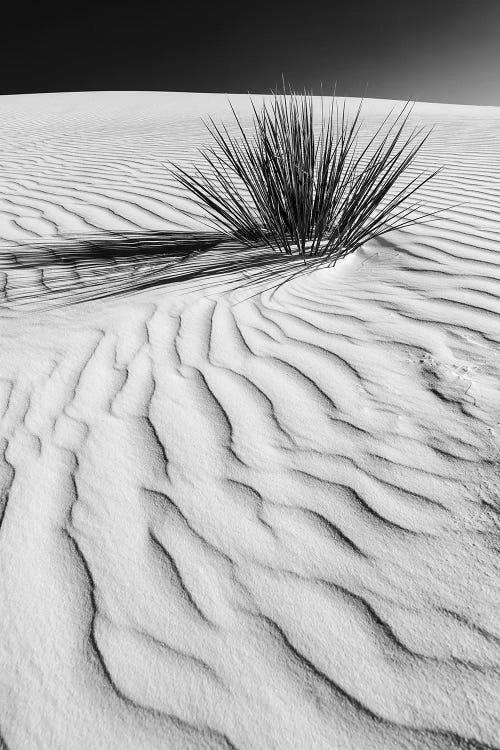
<point x="271" y="524"/>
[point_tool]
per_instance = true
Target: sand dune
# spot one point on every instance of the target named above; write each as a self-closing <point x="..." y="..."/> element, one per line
<point x="235" y="516"/>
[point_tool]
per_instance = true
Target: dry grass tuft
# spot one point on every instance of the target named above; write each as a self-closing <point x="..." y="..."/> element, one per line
<point x="302" y="189"/>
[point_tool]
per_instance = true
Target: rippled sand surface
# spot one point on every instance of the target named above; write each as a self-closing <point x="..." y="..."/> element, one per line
<point x="235" y="516"/>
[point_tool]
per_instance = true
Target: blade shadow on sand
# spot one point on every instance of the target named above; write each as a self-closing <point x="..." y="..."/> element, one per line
<point x="79" y="268"/>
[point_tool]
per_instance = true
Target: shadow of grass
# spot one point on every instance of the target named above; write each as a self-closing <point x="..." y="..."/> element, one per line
<point x="81" y="268"/>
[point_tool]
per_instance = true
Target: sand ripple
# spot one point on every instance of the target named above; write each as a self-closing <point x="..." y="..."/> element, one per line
<point x="243" y="523"/>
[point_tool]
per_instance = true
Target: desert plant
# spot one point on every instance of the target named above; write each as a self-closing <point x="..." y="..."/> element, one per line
<point x="302" y="189"/>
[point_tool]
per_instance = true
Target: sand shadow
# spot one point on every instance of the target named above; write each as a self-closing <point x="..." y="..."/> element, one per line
<point x="79" y="268"/>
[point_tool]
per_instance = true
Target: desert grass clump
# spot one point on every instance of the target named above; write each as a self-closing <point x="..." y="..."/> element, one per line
<point x="304" y="188"/>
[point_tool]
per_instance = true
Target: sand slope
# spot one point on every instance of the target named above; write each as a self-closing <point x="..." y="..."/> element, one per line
<point x="243" y="523"/>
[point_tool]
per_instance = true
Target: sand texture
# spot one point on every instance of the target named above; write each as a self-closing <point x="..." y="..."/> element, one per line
<point x="232" y="516"/>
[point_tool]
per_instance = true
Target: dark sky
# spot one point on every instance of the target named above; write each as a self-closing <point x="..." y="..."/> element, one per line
<point x="430" y="50"/>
